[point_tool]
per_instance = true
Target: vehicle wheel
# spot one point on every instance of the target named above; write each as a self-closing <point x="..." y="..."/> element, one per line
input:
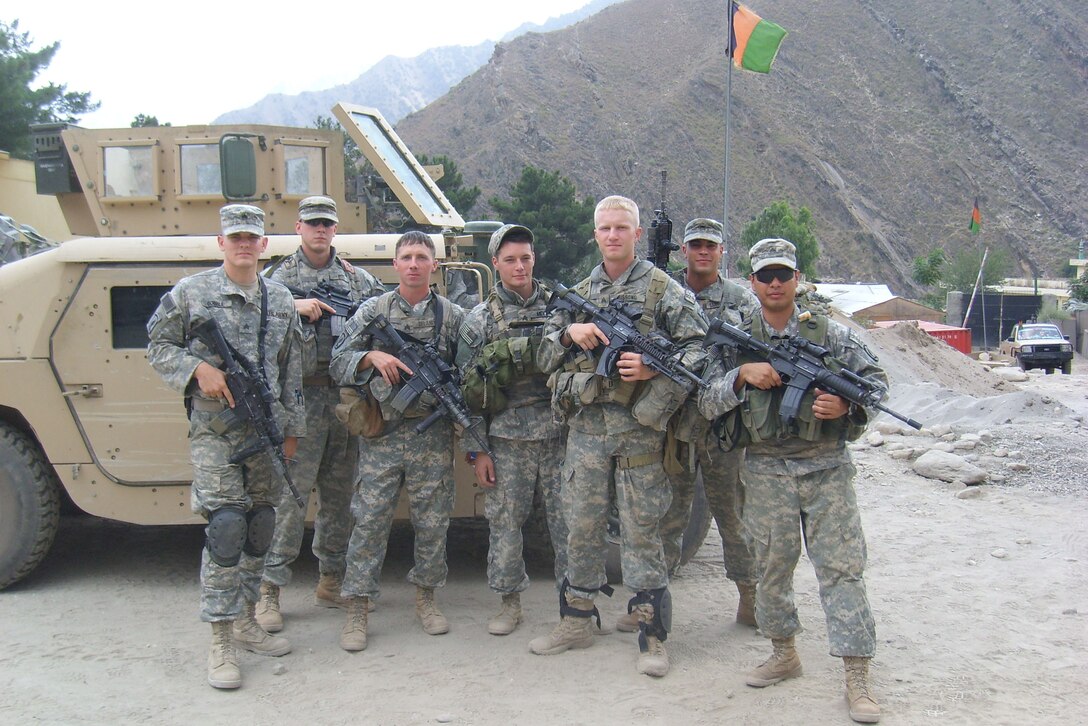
<point x="29" y="505"/>
<point x="698" y="526"/>
<point x="1020" y="362"/>
<point x="1067" y="368"/>
<point x="1049" y="371"/>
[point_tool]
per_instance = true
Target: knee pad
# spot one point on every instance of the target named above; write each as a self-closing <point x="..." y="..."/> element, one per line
<point x="225" y="535"/>
<point x="661" y="623"/>
<point x="260" y="526"/>
<point x="566" y="609"/>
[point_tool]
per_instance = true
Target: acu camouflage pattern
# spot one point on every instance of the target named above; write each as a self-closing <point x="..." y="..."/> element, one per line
<point x="420" y="463"/>
<point x="772" y="251"/>
<point x="525" y="438"/>
<point x="730" y="302"/>
<point x="217" y="482"/>
<point x="327" y="457"/>
<point x="607" y="445"/>
<point x="235" y="218"/>
<point x="791" y="482"/>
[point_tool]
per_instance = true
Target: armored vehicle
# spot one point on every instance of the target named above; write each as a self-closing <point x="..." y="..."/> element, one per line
<point x="82" y="414"/>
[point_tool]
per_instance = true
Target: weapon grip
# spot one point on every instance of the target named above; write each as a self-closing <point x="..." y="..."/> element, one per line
<point x="429" y="421"/>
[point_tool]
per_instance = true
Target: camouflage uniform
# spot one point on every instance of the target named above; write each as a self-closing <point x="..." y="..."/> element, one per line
<point x="524" y="436"/>
<point x="607" y="444"/>
<point x="328" y="454"/>
<point x="730" y="302"/>
<point x="216" y="482"/>
<point x="422" y="463"/>
<point x="790" y="481"/>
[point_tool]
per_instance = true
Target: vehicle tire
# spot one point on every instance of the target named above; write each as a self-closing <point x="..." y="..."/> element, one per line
<point x="1049" y="371"/>
<point x="1020" y="362"/>
<point x="29" y="505"/>
<point x="698" y="526"/>
<point x="1067" y="368"/>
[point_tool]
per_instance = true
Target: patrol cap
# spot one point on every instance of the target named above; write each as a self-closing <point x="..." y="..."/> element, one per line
<point x="703" y="228"/>
<point x="773" y="251"/>
<point x="241" y="218"/>
<point x="505" y="231"/>
<point x="317" y="208"/>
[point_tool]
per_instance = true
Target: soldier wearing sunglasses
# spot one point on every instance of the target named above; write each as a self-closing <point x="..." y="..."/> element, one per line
<point x="798" y="479"/>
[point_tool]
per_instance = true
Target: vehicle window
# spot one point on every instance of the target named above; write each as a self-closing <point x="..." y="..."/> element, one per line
<point x="128" y="171"/>
<point x="130" y="309"/>
<point x="200" y="169"/>
<point x="304" y="167"/>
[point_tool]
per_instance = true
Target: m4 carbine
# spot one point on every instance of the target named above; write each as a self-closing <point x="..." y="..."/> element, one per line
<point x="617" y="322"/>
<point x="335" y="297"/>
<point x="253" y="401"/>
<point x="431" y="375"/>
<point x="800" y="365"/>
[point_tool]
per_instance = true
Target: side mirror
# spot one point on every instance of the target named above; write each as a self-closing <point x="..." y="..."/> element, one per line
<point x="238" y="166"/>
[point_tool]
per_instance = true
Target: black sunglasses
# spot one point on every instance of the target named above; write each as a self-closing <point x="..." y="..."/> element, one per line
<point x="320" y="222"/>
<point x="782" y="274"/>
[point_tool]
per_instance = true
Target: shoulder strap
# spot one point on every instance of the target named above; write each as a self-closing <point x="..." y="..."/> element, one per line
<point x="814" y="330"/>
<point x="494" y="306"/>
<point x="659" y="282"/>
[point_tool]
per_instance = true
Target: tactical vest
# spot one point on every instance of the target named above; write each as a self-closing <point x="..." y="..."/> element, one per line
<point x="759" y="412"/>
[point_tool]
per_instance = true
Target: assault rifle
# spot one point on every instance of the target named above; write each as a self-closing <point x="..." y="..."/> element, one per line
<point x="335" y="297"/>
<point x="800" y="365"/>
<point x="617" y="322"/>
<point x="430" y="374"/>
<point x="659" y="242"/>
<point x="253" y="401"/>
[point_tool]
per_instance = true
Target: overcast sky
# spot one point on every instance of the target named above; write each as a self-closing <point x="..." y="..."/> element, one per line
<point x="189" y="61"/>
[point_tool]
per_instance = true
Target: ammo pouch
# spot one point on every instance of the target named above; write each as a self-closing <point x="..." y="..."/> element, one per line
<point x="309" y="349"/>
<point x="359" y="412"/>
<point x="730" y="431"/>
<point x="501" y="362"/>
<point x="571" y="391"/>
<point x="659" y="398"/>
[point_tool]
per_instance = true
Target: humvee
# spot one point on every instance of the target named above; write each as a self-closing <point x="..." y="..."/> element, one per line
<point x="82" y="414"/>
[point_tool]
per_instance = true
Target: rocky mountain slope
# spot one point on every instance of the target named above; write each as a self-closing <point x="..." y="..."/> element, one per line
<point x="886" y="119"/>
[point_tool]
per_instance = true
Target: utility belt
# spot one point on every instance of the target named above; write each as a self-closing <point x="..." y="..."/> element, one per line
<point x="208" y="405"/>
<point x="322" y="380"/>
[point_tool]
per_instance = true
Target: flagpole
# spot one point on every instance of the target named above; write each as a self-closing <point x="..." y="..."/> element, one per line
<point x="725" y="263"/>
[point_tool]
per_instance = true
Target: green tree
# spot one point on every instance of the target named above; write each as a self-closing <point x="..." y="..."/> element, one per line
<point x="144" y="121"/>
<point x="962" y="271"/>
<point x="778" y="220"/>
<point x="927" y="269"/>
<point x="546" y="202"/>
<point x="21" y="105"/>
<point x="452" y="183"/>
<point x="1078" y="288"/>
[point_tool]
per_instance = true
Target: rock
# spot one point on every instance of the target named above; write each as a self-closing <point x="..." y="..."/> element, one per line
<point x="984" y="356"/>
<point x="986" y="436"/>
<point x="969" y="493"/>
<point x="973" y="458"/>
<point x="965" y="444"/>
<point x="444" y="718"/>
<point x="1069" y="611"/>
<point x="950" y="436"/>
<point x="279" y="669"/>
<point x="1017" y="466"/>
<point x="894" y="446"/>
<point x="943" y="446"/>
<point x="889" y="428"/>
<point x="1000" y="553"/>
<point x="948" y="467"/>
<point x="902" y="454"/>
<point x="1011" y="374"/>
<point x="972" y="563"/>
<point x="1023" y="541"/>
<point x="939" y="430"/>
<point x="1001" y="453"/>
<point x="874" y="439"/>
<point x="996" y="478"/>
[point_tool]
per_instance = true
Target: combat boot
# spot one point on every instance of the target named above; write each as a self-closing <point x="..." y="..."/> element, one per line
<point x="746" y="606"/>
<point x="573" y="631"/>
<point x="434" y="622"/>
<point x="863" y="707"/>
<point x="268" y="608"/>
<point x="508" y="618"/>
<point x="652" y="658"/>
<point x="783" y="663"/>
<point x="353" y="635"/>
<point x="252" y="637"/>
<point x="222" y="662"/>
<point x="628" y="623"/>
<point x="327" y="594"/>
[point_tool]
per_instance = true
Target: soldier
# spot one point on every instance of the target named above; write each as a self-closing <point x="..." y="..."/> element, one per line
<point x="499" y="342"/>
<point x="617" y="437"/>
<point x="798" y="478"/>
<point x="399" y="457"/>
<point x="258" y="320"/>
<point x="719" y="298"/>
<point x="327" y="456"/>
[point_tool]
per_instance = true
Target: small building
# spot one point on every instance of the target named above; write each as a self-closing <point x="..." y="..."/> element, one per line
<point x="876" y="303"/>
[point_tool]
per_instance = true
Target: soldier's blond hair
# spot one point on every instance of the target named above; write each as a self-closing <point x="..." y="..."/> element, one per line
<point x="617" y="202"/>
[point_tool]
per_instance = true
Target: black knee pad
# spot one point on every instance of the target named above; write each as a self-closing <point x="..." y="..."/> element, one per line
<point x="225" y="535"/>
<point x="261" y="524"/>
<point x="566" y="609"/>
<point x="661" y="601"/>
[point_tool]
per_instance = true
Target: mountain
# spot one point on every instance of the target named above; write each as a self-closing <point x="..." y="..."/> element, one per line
<point x="885" y="118"/>
<point x="395" y="86"/>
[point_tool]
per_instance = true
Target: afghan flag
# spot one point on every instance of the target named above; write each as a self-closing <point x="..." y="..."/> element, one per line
<point x="976" y="219"/>
<point x="754" y="41"/>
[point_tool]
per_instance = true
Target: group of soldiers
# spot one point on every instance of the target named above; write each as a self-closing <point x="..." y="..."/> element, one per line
<point x="550" y="424"/>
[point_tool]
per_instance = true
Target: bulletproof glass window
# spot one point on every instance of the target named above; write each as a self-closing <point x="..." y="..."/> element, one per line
<point x="200" y="170"/>
<point x="128" y="171"/>
<point x="130" y="309"/>
<point x="304" y="167"/>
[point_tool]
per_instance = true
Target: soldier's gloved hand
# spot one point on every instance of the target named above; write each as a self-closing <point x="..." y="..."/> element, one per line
<point x="484" y="468"/>
<point x="213" y="382"/>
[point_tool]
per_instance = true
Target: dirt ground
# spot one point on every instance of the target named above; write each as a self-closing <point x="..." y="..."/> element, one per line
<point x="981" y="607"/>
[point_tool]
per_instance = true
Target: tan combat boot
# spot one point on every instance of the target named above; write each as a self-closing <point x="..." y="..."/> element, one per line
<point x="863" y="707"/>
<point x="327" y="594"/>
<point x="782" y="664"/>
<point x="353" y="635"/>
<point x="652" y="660"/>
<point x="252" y="637"/>
<point x="572" y="631"/>
<point x="222" y="662"/>
<point x="268" y="608"/>
<point x="628" y="623"/>
<point x="746" y="606"/>
<point x="434" y="622"/>
<point x="508" y="618"/>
